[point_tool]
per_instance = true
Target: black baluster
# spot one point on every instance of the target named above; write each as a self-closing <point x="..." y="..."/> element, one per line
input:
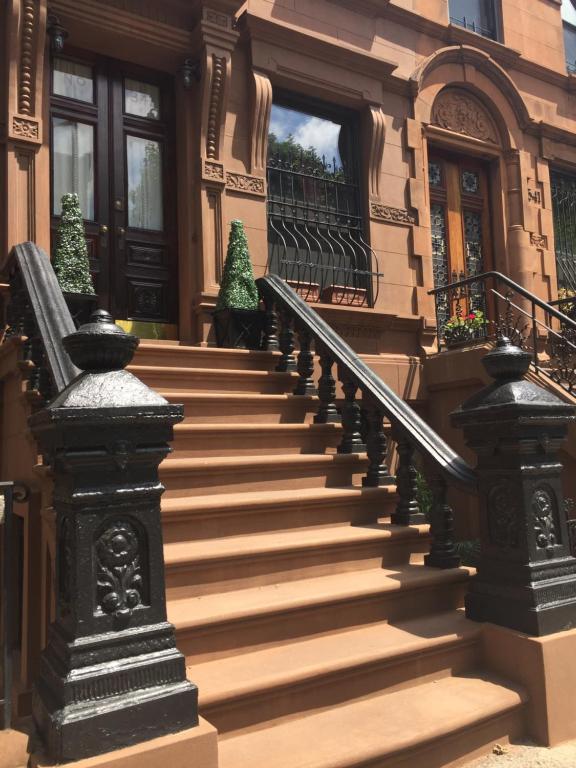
<point x="377" y="448"/>
<point x="271" y="343"/>
<point x="407" y="510"/>
<point x="327" y="413"/>
<point x="442" y="552"/>
<point x="305" y="367"/>
<point x="351" y="418"/>
<point x="286" y="342"/>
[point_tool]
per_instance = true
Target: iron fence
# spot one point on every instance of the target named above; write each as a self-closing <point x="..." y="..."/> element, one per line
<point x="315" y="232"/>
<point x="564" y="216"/>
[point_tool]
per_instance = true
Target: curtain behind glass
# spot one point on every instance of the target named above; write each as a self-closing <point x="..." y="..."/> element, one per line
<point x="73" y="164"/>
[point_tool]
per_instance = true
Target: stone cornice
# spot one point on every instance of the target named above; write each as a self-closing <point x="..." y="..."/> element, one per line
<point x="319" y="47"/>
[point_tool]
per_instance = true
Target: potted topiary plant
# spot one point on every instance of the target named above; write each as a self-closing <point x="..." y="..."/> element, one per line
<point x="71" y="263"/>
<point x="238" y="321"/>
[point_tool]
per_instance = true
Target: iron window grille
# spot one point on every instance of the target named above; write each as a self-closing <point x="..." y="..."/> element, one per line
<point x="476" y="15"/>
<point x="315" y="225"/>
<point x="564" y="217"/>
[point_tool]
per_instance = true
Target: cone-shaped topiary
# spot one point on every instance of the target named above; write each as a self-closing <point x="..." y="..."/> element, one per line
<point x="71" y="257"/>
<point x="237" y="288"/>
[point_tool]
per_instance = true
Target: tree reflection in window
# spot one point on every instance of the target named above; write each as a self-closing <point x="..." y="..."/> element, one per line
<point x="315" y="228"/>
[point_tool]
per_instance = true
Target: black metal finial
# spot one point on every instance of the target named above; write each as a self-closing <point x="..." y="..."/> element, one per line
<point x="101" y="345"/>
<point x="506" y="361"/>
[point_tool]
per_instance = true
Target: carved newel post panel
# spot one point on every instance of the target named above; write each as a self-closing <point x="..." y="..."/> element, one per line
<point x="111" y="674"/>
<point x="526" y="578"/>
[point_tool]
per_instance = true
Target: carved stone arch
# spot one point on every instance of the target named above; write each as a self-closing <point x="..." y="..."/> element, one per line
<point x="475" y="71"/>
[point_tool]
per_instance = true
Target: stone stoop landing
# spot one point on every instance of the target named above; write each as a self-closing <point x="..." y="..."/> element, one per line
<point x="313" y="630"/>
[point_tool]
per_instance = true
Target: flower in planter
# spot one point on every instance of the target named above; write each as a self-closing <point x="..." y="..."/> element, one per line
<point x="70" y="261"/>
<point x="464" y="327"/>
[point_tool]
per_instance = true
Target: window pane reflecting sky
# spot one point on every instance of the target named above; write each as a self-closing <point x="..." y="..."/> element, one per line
<point x="568" y="12"/>
<point x="307" y="131"/>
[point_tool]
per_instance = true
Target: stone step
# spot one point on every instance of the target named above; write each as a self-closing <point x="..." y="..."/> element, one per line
<point x="182" y="355"/>
<point x="234" y="514"/>
<point x="199" y="567"/>
<point x="194" y="440"/>
<point x="175" y="378"/>
<point x="435" y="723"/>
<point x="234" y="408"/>
<point x="241" y="691"/>
<point x="184" y="477"/>
<point x="214" y="626"/>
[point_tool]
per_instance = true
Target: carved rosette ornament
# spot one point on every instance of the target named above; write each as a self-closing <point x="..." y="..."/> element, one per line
<point x="119" y="579"/>
<point x="545" y="526"/>
<point x="458" y="111"/>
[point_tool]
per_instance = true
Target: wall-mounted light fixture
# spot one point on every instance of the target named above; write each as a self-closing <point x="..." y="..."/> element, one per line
<point x="190" y="72"/>
<point x="56" y="33"/>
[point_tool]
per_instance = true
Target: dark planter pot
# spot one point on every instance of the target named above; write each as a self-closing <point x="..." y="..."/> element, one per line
<point x="81" y="306"/>
<point x="239" y="328"/>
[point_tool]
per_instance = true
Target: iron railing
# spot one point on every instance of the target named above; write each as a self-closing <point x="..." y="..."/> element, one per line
<point x="563" y="189"/>
<point x="315" y="231"/>
<point x="9" y="492"/>
<point x="531" y="323"/>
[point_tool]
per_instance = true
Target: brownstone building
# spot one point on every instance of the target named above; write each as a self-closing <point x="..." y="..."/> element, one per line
<point x="375" y="150"/>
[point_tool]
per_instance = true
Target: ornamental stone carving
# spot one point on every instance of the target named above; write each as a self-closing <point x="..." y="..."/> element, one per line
<point x="213" y="171"/>
<point x="239" y="182"/>
<point x="25" y="90"/>
<point x="25" y="129"/>
<point x="391" y="215"/>
<point x="215" y="110"/>
<point x="458" y="111"/>
<point x="540" y="241"/>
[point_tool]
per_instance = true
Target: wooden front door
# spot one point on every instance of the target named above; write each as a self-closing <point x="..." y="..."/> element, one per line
<point x="461" y="229"/>
<point x="112" y="143"/>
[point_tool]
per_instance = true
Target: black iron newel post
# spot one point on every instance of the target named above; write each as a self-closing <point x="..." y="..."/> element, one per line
<point x="111" y="674"/>
<point x="526" y="578"/>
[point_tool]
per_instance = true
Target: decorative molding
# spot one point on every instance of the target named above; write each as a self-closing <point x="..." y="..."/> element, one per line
<point x="503" y="516"/>
<point x="119" y="580"/>
<point x="540" y="241"/>
<point x="261" y="108"/>
<point x="391" y="215"/>
<point x="457" y="111"/>
<point x="213" y="171"/>
<point x="215" y="111"/>
<point x="545" y="518"/>
<point x="534" y="196"/>
<point x="241" y="182"/>
<point x="377" y="138"/>
<point x="26" y="73"/>
<point x="25" y="128"/>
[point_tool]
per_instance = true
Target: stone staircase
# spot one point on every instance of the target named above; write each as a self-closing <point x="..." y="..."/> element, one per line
<point x="314" y="632"/>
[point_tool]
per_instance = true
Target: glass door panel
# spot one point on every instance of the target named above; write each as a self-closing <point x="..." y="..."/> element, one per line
<point x="73" y="164"/>
<point x="144" y="171"/>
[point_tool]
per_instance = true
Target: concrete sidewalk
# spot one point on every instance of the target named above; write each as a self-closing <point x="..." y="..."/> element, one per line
<point x="528" y="756"/>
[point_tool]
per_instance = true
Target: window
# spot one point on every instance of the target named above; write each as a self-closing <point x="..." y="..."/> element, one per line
<point x="315" y="225"/>
<point x="564" y="216"/>
<point x="569" y="24"/>
<point x="477" y="15"/>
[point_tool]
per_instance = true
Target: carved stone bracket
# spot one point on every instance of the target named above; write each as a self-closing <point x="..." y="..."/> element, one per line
<point x="218" y="38"/>
<point x="540" y="241"/>
<point x="261" y="107"/>
<point x="24" y="129"/>
<point x="458" y="111"/>
<point x="377" y="137"/>
<point x="392" y="215"/>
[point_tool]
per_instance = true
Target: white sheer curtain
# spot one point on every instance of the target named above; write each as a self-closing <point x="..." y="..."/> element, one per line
<point x="73" y="80"/>
<point x="73" y="164"/>
<point x="145" y="205"/>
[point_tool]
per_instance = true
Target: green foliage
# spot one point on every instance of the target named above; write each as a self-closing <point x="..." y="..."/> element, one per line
<point x="464" y="328"/>
<point x="424" y="495"/>
<point x="237" y="289"/>
<point x="71" y="257"/>
<point x="469" y="552"/>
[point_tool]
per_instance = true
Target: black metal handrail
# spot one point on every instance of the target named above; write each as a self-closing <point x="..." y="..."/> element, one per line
<point x="560" y="365"/>
<point x="363" y="428"/>
<point x="38" y="312"/>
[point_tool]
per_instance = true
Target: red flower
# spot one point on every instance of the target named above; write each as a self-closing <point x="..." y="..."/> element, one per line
<point x="471" y="316"/>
